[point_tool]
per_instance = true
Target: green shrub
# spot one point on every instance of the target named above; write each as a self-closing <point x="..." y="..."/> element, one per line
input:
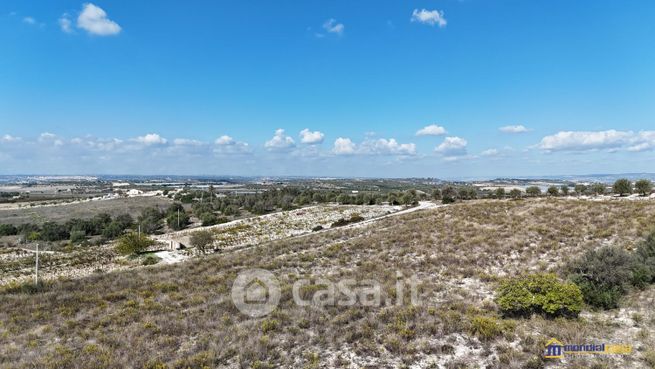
<point x="208" y="219"/>
<point x="606" y="274"/>
<point x="202" y="240"/>
<point x="486" y="328"/>
<point x="8" y="230"/>
<point x="150" y="260"/>
<point x="269" y="325"/>
<point x="539" y="294"/>
<point x="646" y="256"/>
<point x="133" y="243"/>
<point x="77" y="236"/>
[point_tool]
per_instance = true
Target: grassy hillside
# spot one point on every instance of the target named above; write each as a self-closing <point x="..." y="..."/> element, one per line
<point x="182" y="316"/>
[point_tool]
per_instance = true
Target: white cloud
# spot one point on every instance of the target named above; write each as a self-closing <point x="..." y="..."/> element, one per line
<point x="490" y="152"/>
<point x="452" y="146"/>
<point x="344" y="146"/>
<point x="280" y="142"/>
<point x="381" y="146"/>
<point x="311" y="138"/>
<point x="331" y="26"/>
<point x="431" y="130"/>
<point x="228" y="145"/>
<point x="99" y="144"/>
<point x="225" y="140"/>
<point x="94" y="20"/>
<point x="645" y="140"/>
<point x="29" y="20"/>
<point x="65" y="23"/>
<point x="9" y="138"/>
<point x="47" y="137"/>
<point x="430" y="17"/>
<point x="187" y="142"/>
<point x="586" y="140"/>
<point x="151" y="139"/>
<point x="514" y="129"/>
<point x="387" y="147"/>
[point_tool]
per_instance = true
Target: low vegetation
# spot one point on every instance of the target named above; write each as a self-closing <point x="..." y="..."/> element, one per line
<point x="606" y="274"/>
<point x="133" y="243"/>
<point x="543" y="294"/>
<point x="181" y="316"/>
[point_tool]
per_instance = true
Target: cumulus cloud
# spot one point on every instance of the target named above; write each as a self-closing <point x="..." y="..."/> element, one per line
<point x="29" y="20"/>
<point x="280" y="142"/>
<point x="645" y="140"/>
<point x="381" y="146"/>
<point x="311" y="138"/>
<point x="94" y="20"/>
<point x="228" y="145"/>
<point x="50" y="138"/>
<point x="65" y="23"/>
<point x="587" y="140"/>
<point x="384" y="146"/>
<point x="332" y="26"/>
<point x="343" y="146"/>
<point x="431" y="130"/>
<point x="430" y="17"/>
<point x="9" y="138"/>
<point x="452" y="147"/>
<point x="187" y="142"/>
<point x="225" y="140"/>
<point x="98" y="144"/>
<point x="514" y="129"/>
<point x="151" y="139"/>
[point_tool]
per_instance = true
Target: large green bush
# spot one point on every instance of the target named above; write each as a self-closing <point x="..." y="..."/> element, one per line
<point x="539" y="294"/>
<point x="646" y="257"/>
<point x="133" y="243"/>
<point x="7" y="230"/>
<point x="606" y="274"/>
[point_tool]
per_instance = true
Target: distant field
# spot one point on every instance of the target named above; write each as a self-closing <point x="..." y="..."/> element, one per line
<point x="182" y="316"/>
<point x="62" y="213"/>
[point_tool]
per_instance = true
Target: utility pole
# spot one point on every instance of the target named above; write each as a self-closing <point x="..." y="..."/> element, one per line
<point x="36" y="274"/>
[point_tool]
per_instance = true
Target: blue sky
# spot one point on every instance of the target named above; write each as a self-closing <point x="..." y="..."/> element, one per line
<point x="505" y="88"/>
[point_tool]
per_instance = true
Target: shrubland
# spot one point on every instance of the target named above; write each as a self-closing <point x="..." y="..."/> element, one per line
<point x="181" y="316"/>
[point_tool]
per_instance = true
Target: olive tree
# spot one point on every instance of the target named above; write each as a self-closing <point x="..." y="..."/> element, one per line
<point x="622" y="187"/>
<point x="644" y="187"/>
<point x="565" y="190"/>
<point x="202" y="240"/>
<point x="533" y="191"/>
<point x="580" y="189"/>
<point x="598" y="189"/>
<point x="553" y="191"/>
<point x="133" y="243"/>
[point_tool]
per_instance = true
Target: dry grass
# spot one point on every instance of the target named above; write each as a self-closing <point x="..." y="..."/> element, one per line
<point x="181" y="316"/>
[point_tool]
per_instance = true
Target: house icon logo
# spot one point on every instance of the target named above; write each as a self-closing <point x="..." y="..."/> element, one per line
<point x="256" y="292"/>
<point x="554" y="349"/>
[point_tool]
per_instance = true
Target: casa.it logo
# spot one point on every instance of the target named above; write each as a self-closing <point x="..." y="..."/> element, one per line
<point x="256" y="292"/>
<point x="556" y="349"/>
